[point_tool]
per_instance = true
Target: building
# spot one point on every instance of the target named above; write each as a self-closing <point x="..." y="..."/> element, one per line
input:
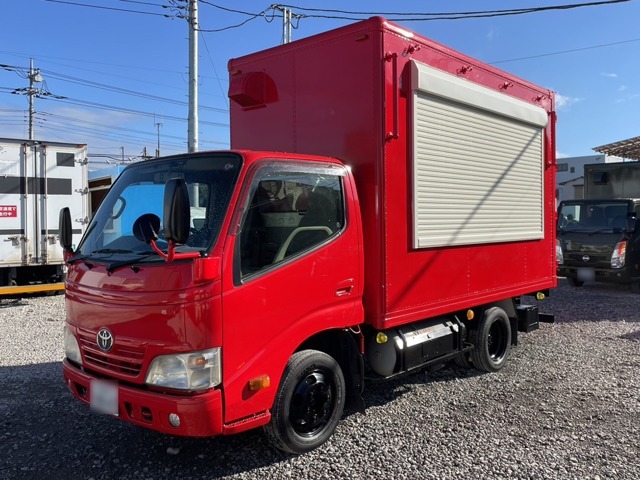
<point x="570" y="174"/>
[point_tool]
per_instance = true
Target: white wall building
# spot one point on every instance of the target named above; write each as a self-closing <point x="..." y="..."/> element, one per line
<point x="570" y="174"/>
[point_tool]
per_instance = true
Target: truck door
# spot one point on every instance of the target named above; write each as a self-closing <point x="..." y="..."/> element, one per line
<point x="14" y="159"/>
<point x="295" y="273"/>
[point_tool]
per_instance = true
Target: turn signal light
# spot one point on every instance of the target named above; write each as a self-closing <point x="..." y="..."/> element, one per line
<point x="259" y="383"/>
<point x="470" y="314"/>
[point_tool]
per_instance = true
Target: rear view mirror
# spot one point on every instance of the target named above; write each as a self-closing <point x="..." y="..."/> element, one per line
<point x="177" y="212"/>
<point x="146" y="227"/>
<point x="65" y="230"/>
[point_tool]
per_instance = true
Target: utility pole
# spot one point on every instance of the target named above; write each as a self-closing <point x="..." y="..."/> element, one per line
<point x="34" y="76"/>
<point x="193" y="77"/>
<point x="158" y="149"/>
<point x="287" y="16"/>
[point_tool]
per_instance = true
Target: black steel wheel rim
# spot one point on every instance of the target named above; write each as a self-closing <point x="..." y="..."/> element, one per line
<point x="312" y="403"/>
<point x="497" y="341"/>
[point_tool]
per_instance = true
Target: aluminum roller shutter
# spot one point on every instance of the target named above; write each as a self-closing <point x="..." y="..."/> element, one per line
<point x="477" y="163"/>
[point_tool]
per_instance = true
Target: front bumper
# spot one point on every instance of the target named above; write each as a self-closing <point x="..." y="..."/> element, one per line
<point x="621" y="275"/>
<point x="200" y="415"/>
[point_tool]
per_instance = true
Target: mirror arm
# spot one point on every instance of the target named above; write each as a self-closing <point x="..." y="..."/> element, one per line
<point x="171" y="254"/>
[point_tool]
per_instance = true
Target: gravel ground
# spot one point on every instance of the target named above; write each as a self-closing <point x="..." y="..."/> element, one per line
<point x="565" y="406"/>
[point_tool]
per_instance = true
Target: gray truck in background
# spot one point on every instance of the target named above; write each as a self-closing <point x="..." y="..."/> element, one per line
<point x="598" y="238"/>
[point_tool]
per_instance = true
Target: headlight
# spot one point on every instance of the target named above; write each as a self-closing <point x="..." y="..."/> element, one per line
<point x="618" y="255"/>
<point x="186" y="371"/>
<point x="559" y="255"/>
<point x="71" y="347"/>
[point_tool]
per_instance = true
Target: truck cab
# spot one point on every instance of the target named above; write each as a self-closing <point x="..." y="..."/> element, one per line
<point x="190" y="345"/>
<point x="599" y="240"/>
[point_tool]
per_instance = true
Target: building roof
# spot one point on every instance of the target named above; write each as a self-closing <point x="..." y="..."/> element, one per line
<point x="576" y="181"/>
<point x="625" y="148"/>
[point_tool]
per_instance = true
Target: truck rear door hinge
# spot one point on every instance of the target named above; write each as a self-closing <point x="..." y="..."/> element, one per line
<point x="82" y="191"/>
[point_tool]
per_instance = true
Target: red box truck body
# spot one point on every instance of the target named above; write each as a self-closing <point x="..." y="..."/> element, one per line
<point x="386" y="203"/>
<point x="378" y="97"/>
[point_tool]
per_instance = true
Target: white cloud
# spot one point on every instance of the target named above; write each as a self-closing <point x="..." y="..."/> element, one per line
<point x="629" y="98"/>
<point x="622" y="88"/>
<point x="563" y="101"/>
<point x="610" y="75"/>
<point x="491" y="34"/>
<point x="561" y="155"/>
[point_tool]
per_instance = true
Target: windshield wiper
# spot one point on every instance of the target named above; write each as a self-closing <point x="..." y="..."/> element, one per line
<point x="111" y="250"/>
<point x="600" y="230"/>
<point x="132" y="261"/>
<point x="79" y="258"/>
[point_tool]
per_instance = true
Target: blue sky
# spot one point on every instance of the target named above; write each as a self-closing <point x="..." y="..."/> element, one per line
<point x="146" y="55"/>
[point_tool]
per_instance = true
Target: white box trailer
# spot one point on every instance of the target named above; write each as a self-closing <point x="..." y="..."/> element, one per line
<point x="37" y="179"/>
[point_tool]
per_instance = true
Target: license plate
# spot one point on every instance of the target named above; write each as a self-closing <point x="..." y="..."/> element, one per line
<point x="586" y="274"/>
<point x="104" y="396"/>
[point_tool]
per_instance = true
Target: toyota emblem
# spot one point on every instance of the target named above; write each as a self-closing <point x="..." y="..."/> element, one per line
<point x="586" y="258"/>
<point x="104" y="339"/>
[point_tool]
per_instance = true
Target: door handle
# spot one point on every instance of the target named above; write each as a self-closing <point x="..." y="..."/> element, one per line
<point x="345" y="287"/>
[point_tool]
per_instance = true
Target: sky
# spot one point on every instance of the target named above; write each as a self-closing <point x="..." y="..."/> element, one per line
<point x="116" y="79"/>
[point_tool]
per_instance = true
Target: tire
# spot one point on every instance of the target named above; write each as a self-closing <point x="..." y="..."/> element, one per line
<point x="464" y="360"/>
<point x="492" y="341"/>
<point x="574" y="282"/>
<point x="309" y="402"/>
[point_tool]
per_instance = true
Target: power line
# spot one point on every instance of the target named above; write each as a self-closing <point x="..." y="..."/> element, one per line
<point x="241" y="24"/>
<point x="566" y="51"/>
<point x="421" y="17"/>
<point x="112" y="88"/>
<point x="206" y="47"/>
<point x="112" y="8"/>
<point x="101" y="106"/>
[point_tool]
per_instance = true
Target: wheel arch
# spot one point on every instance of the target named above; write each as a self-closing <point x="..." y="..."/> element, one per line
<point x="342" y="345"/>
<point x="508" y="305"/>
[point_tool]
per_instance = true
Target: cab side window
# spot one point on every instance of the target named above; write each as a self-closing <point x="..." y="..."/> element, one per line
<point x="288" y="214"/>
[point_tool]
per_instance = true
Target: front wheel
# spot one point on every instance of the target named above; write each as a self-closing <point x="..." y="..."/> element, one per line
<point x="309" y="402"/>
<point x="492" y="341"/>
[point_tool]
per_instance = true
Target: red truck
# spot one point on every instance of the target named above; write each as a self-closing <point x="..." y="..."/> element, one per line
<point x="386" y="203"/>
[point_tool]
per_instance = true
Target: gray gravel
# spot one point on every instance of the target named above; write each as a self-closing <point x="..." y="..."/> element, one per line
<point x="565" y="406"/>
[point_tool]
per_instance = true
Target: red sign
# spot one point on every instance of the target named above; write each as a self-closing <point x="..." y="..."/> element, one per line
<point x="8" y="211"/>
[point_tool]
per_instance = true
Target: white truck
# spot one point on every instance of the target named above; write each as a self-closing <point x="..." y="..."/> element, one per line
<point x="37" y="179"/>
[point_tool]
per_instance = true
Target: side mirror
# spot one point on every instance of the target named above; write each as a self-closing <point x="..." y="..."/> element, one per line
<point x="64" y="226"/>
<point x="177" y="211"/>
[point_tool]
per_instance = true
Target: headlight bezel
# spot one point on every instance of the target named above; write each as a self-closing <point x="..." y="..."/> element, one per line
<point x="190" y="371"/>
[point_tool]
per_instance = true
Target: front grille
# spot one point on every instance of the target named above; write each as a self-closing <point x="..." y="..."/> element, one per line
<point x="126" y="356"/>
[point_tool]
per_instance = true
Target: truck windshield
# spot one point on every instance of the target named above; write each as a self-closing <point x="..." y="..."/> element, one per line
<point x="210" y="178"/>
<point x="593" y="216"/>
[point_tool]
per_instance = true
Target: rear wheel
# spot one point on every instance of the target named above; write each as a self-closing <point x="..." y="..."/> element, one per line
<point x="492" y="341"/>
<point x="464" y="360"/>
<point x="309" y="402"/>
